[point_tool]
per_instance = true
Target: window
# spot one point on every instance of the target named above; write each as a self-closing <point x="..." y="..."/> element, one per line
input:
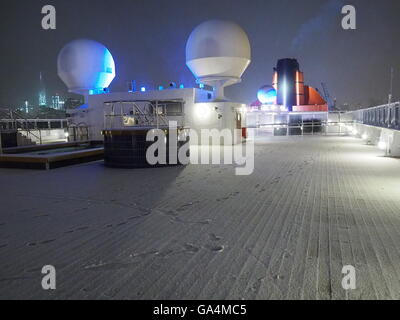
<point x="173" y="108"/>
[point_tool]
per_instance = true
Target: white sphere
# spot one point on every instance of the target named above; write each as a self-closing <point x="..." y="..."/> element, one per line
<point x="267" y="95"/>
<point x="85" y="65"/>
<point x="218" y="49"/>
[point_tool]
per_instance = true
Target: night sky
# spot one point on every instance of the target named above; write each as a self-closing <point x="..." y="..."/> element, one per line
<point x="147" y="39"/>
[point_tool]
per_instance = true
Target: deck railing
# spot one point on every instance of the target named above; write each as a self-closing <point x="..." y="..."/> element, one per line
<point x="142" y="113"/>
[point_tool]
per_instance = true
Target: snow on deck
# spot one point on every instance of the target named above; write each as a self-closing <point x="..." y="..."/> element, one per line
<point x="313" y="205"/>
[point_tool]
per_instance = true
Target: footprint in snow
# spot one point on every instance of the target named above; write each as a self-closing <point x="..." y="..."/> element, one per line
<point x="47" y="241"/>
<point x="177" y="219"/>
<point x="191" y="248"/>
<point x="215" y="248"/>
<point x="214" y="237"/>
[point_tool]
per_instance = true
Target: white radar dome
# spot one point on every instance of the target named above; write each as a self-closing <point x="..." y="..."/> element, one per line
<point x="218" y="53"/>
<point x="267" y="95"/>
<point x="85" y="66"/>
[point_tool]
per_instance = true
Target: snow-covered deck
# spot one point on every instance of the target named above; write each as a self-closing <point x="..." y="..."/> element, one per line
<point x="313" y="205"/>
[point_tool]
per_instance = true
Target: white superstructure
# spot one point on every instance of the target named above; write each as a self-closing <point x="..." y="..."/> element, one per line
<point x="217" y="52"/>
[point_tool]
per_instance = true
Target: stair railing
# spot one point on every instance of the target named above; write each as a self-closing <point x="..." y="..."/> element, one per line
<point x="16" y="118"/>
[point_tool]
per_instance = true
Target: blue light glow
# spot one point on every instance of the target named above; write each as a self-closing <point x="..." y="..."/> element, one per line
<point x="143" y="89"/>
<point x="160" y="88"/>
<point x="98" y="91"/>
<point x="100" y="80"/>
<point x="201" y="86"/>
<point x="267" y="95"/>
<point x="182" y="86"/>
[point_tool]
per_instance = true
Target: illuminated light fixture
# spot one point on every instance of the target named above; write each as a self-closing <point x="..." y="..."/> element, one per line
<point x="182" y="86"/>
<point x="161" y="88"/>
<point x="201" y="86"/>
<point x="365" y="136"/>
<point x="66" y="134"/>
<point x="382" y="145"/>
<point x="203" y="112"/>
<point x="143" y="89"/>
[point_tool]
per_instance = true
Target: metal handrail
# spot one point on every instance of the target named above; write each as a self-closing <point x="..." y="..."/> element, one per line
<point x="80" y="125"/>
<point x="17" y="117"/>
<point x="144" y="118"/>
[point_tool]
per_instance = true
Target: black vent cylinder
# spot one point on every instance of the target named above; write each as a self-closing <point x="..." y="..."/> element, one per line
<point x="286" y="70"/>
<point x="127" y="148"/>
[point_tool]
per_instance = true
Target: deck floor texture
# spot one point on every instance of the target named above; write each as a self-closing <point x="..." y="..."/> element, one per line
<point x="312" y="206"/>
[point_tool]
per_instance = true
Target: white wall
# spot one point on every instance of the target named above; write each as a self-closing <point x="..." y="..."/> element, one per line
<point x="47" y="136"/>
<point x="376" y="135"/>
<point x="199" y="112"/>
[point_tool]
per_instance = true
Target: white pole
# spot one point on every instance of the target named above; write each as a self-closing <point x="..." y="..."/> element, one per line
<point x="391" y="85"/>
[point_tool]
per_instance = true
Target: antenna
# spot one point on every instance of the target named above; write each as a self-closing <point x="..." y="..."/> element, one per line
<point x="218" y="52"/>
<point x="391" y="85"/>
<point x="331" y="102"/>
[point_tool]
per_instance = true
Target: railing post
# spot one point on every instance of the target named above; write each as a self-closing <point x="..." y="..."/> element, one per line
<point x="157" y="113"/>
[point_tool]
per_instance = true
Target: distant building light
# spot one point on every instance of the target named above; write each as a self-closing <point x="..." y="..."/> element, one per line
<point x="161" y="88"/>
<point x="143" y="89"/>
<point x="182" y="86"/>
<point x="201" y="86"/>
